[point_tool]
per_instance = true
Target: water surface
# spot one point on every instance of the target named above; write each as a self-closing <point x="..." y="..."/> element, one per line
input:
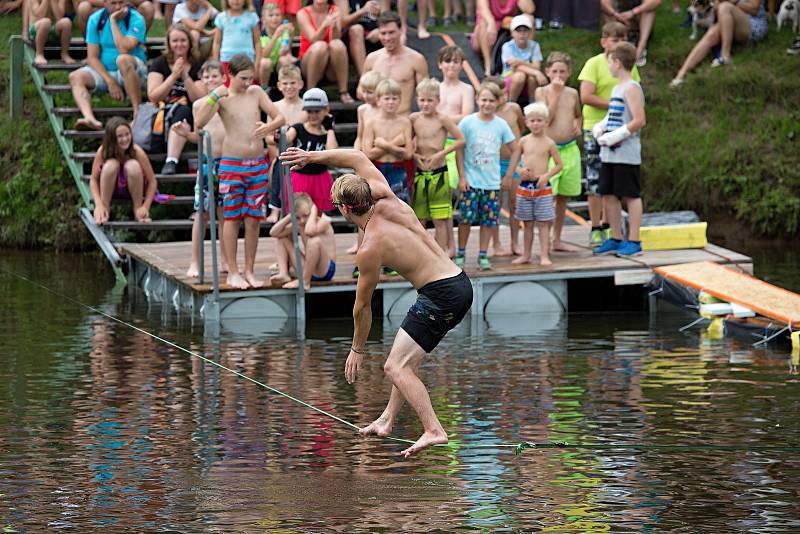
<point x="102" y="426"/>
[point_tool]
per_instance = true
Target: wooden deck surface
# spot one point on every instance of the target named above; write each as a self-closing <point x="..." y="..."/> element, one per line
<point x="172" y="259"/>
<point x="732" y="286"/>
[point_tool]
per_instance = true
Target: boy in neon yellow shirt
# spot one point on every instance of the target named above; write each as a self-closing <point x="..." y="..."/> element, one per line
<point x="596" y="86"/>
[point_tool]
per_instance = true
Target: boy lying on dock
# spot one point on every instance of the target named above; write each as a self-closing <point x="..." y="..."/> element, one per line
<point x="319" y="246"/>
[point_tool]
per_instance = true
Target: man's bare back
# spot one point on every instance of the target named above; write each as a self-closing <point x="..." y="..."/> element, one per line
<point x="396" y="238"/>
<point x="407" y="67"/>
<point x="563" y="127"/>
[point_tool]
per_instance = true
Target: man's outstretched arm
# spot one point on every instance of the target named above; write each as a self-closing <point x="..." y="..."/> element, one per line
<point x="342" y="157"/>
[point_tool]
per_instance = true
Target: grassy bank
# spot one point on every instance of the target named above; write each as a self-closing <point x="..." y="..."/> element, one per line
<point x="724" y="144"/>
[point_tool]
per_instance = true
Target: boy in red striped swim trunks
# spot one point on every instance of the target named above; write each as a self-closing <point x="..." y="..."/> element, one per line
<point x="243" y="168"/>
<point x="540" y="162"/>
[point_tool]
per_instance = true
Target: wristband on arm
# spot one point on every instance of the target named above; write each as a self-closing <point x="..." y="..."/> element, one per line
<point x="212" y="99"/>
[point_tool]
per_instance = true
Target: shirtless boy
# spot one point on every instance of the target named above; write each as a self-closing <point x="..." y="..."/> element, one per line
<point x="290" y="82"/>
<point x="243" y="167"/>
<point x="564" y="128"/>
<point x="212" y="75"/>
<point x="387" y="140"/>
<point x="397" y="61"/>
<point x="319" y="245"/>
<point x="432" y="198"/>
<point x="45" y="20"/>
<point x="534" y="195"/>
<point x="393" y="236"/>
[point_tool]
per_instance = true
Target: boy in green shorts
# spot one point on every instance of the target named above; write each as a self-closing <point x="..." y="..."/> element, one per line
<point x="431" y="198"/>
<point x="564" y="127"/>
<point x="46" y="21"/>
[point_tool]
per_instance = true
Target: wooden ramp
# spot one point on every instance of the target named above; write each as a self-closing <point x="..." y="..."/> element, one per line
<point x="740" y="288"/>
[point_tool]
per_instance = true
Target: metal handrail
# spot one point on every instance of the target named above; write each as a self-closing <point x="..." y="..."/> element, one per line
<point x="206" y="175"/>
<point x="288" y="191"/>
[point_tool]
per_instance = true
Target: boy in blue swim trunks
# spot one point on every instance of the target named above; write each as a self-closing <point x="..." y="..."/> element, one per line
<point x="485" y="133"/>
<point x="243" y="169"/>
<point x="387" y="140"/>
<point x="319" y="245"/>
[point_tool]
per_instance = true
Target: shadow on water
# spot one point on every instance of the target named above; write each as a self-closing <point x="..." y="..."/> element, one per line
<point x="101" y="426"/>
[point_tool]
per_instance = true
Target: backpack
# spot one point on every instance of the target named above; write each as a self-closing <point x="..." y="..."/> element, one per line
<point x="503" y="36"/>
<point x="152" y="123"/>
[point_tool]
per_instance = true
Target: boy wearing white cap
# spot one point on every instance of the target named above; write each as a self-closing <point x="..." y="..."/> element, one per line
<point x="522" y="59"/>
<point x="316" y="133"/>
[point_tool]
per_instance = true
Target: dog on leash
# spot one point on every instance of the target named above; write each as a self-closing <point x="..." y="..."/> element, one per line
<point x="702" y="12"/>
<point x="790" y="11"/>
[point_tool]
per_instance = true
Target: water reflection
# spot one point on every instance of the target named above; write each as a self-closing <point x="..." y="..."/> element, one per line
<point x="102" y="426"/>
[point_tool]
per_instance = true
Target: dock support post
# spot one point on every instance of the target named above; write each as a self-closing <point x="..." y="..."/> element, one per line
<point x="16" y="48"/>
<point x="212" y="216"/>
<point x="201" y="222"/>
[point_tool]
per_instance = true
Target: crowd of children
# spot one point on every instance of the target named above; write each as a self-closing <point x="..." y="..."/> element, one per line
<point x="445" y="156"/>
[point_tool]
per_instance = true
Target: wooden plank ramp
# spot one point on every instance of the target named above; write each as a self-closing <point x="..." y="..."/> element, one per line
<point x="172" y="260"/>
<point x="740" y="288"/>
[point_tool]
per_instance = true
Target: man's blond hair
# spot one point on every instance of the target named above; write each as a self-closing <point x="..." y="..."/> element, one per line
<point x="352" y="192"/>
<point x="388" y="87"/>
<point x="428" y="87"/>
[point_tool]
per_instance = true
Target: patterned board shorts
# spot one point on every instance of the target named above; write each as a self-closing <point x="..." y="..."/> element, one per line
<point x="534" y="204"/>
<point x="243" y="186"/>
<point x="479" y="206"/>
<point x="591" y="164"/>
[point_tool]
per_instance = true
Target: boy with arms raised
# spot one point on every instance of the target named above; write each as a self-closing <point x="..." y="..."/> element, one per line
<point x="290" y="82"/>
<point x="596" y="86"/>
<point x="564" y="127"/>
<point x="484" y="133"/>
<point x="534" y="195"/>
<point x="243" y="169"/>
<point x="387" y="140"/>
<point x="212" y="76"/>
<point x="618" y="135"/>
<point x="431" y="185"/>
<point x="319" y="246"/>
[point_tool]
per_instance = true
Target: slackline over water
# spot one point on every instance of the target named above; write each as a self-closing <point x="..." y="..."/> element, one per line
<point x="516" y="447"/>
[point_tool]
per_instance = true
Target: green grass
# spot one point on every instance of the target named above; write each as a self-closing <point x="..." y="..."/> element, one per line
<point x="724" y="144"/>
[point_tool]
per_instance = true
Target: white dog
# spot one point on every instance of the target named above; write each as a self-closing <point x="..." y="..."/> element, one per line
<point x="702" y="12"/>
<point x="790" y="11"/>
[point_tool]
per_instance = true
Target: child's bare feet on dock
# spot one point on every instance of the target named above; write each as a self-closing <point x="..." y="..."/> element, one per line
<point x="545" y="262"/>
<point x="521" y="260"/>
<point x="378" y="427"/>
<point x="193" y="271"/>
<point x="563" y="247"/>
<point x="294" y="284"/>
<point x="236" y="281"/>
<point x="502" y="252"/>
<point x="426" y="440"/>
<point x="515" y="250"/>
<point x="277" y="280"/>
<point x="252" y="280"/>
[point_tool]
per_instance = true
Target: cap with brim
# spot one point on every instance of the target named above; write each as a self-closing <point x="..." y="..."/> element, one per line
<point x="315" y="99"/>
<point x="521" y="20"/>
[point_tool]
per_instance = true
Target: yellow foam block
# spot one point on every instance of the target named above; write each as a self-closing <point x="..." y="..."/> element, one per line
<point x="674" y="236"/>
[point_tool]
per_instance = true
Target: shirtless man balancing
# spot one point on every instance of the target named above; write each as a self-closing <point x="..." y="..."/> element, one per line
<point x="393" y="236"/>
<point x="396" y="61"/>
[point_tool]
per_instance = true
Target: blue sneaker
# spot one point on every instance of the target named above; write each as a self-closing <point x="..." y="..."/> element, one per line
<point x="629" y="248"/>
<point x="609" y="246"/>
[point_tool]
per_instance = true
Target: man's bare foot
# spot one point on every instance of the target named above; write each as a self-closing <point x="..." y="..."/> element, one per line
<point x="66" y="58"/>
<point x="294" y="284"/>
<point x="193" y="271"/>
<point x="252" y="280"/>
<point x="379" y="427"/>
<point x="545" y="262"/>
<point x="353" y="249"/>
<point x="39" y="59"/>
<point x="502" y="252"/>
<point x="563" y="247"/>
<point x="425" y="441"/>
<point x="235" y="280"/>
<point x="521" y="260"/>
<point x="278" y="279"/>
